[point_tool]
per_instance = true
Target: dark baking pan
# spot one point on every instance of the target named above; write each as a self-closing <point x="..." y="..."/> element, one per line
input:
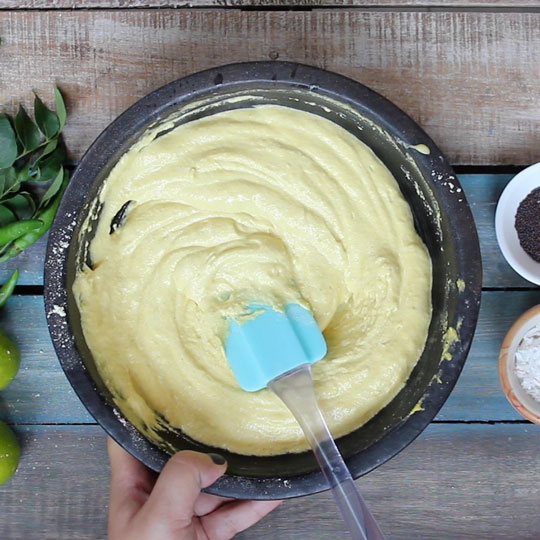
<point x="442" y="217"/>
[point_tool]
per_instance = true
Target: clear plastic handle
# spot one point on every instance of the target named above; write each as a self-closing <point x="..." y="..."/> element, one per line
<point x="295" y="389"/>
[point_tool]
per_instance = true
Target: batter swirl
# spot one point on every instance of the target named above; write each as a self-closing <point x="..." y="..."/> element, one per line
<point x="271" y="205"/>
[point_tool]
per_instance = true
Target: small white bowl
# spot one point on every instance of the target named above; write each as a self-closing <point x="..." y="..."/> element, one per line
<point x="516" y="190"/>
<point x="517" y="396"/>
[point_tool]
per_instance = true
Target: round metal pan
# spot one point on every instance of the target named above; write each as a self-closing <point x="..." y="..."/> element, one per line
<point x="442" y="217"/>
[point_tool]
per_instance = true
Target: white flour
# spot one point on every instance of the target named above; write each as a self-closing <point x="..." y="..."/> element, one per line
<point x="527" y="363"/>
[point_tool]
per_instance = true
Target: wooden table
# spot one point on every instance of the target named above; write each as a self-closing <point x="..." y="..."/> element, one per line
<point x="468" y="71"/>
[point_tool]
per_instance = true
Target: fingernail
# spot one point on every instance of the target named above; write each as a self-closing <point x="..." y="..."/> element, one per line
<point x="217" y="459"/>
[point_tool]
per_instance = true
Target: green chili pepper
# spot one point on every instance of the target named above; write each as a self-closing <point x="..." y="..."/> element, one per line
<point x="9" y="286"/>
<point x="14" y="230"/>
<point x="44" y="218"/>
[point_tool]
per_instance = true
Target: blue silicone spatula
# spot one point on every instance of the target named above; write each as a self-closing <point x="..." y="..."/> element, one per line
<point x="276" y="349"/>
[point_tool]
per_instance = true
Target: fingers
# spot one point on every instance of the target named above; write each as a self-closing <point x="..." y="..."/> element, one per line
<point x="234" y="517"/>
<point x="207" y="503"/>
<point x="178" y="487"/>
<point x="131" y="484"/>
<point x="170" y="505"/>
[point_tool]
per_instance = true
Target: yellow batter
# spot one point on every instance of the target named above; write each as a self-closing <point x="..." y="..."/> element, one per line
<point x="268" y="204"/>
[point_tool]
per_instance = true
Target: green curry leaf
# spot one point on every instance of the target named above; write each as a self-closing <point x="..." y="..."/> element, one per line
<point x="27" y="131"/>
<point x="22" y="205"/>
<point x="51" y="164"/>
<point x="8" y="143"/>
<point x="6" y="216"/>
<point x="32" y="173"/>
<point x="46" y="120"/>
<point x="53" y="188"/>
<point x="60" y="108"/>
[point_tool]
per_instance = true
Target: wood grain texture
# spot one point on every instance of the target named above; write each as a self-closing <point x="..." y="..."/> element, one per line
<point x="469" y="78"/>
<point x="472" y="481"/>
<point x="127" y="4"/>
<point x="478" y="394"/>
<point x="29" y="262"/>
<point x="483" y="192"/>
<point x="41" y="394"/>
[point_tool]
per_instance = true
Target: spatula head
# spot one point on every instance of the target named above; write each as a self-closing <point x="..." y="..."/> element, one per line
<point x="270" y="343"/>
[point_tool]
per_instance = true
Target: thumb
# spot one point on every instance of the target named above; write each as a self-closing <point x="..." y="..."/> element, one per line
<point x="180" y="483"/>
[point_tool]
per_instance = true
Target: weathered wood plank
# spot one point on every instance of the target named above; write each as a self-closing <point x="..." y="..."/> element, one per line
<point x="478" y="394"/>
<point x="467" y="77"/>
<point x="482" y="192"/>
<point x="463" y="481"/>
<point x="60" y="490"/>
<point x="125" y="4"/>
<point x="30" y="264"/>
<point x="41" y="393"/>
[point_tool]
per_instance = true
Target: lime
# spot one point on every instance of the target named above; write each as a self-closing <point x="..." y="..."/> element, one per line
<point x="9" y="453"/>
<point x="10" y="358"/>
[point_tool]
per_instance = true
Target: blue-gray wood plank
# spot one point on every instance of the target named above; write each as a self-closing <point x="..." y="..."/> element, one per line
<point x="41" y="394"/>
<point x="482" y="192"/>
<point x="454" y="482"/>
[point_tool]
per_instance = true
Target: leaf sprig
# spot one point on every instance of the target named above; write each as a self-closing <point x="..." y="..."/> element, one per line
<point x="32" y="174"/>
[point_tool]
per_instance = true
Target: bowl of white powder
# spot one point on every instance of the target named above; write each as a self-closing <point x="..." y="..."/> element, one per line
<point x="519" y="365"/>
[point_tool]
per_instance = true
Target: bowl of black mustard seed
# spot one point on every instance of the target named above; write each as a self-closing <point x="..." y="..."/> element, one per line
<point x="517" y="223"/>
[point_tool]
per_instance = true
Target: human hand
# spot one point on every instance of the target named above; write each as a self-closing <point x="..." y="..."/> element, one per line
<point x="170" y="506"/>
